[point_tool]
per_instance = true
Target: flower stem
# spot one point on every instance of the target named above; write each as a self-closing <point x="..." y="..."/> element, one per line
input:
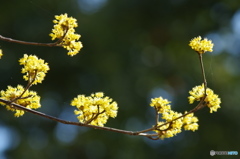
<point x="203" y="73"/>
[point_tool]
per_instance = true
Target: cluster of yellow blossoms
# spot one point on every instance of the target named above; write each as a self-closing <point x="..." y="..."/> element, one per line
<point x="160" y="104"/>
<point x="34" y="70"/>
<point x="94" y="109"/>
<point x="29" y="99"/>
<point x="172" y="126"/>
<point x="201" y="46"/>
<point x="212" y="100"/>
<point x="174" y="121"/>
<point x="65" y="32"/>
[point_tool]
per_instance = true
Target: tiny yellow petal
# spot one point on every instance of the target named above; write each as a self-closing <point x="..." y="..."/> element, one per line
<point x="1" y="54"/>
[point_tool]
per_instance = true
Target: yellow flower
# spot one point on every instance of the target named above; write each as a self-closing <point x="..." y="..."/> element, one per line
<point x="34" y="68"/>
<point x="212" y="100"/>
<point x="64" y="30"/>
<point x="160" y="104"/>
<point x="201" y="46"/>
<point x="190" y="122"/>
<point x="196" y="94"/>
<point x="29" y="99"/>
<point x="94" y="109"/>
<point x="1" y="54"/>
<point x="170" y="115"/>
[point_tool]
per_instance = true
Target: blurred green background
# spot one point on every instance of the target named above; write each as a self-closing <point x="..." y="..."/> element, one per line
<point x="134" y="50"/>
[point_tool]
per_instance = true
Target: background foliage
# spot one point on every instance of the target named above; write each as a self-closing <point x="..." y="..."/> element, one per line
<point x="133" y="50"/>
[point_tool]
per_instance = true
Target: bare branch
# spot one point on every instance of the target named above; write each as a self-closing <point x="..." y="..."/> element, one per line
<point x="28" y="43"/>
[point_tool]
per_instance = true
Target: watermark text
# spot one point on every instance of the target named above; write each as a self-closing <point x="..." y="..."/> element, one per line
<point x="212" y="152"/>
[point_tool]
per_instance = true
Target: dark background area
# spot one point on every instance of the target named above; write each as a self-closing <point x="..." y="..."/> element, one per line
<point x="134" y="50"/>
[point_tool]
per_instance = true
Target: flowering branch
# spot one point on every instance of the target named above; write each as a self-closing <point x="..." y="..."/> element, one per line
<point x="134" y="133"/>
<point x="93" y="111"/>
<point x="63" y="31"/>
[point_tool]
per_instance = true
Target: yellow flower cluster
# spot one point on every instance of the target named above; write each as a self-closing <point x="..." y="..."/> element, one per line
<point x="201" y="46"/>
<point x="29" y="99"/>
<point x="64" y="30"/>
<point x="212" y="100"/>
<point x="94" y="109"/>
<point x="160" y="104"/>
<point x="190" y="122"/>
<point x="170" y="127"/>
<point x="34" y="68"/>
<point x="1" y="54"/>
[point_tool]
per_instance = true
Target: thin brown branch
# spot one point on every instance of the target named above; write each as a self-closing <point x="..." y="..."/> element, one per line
<point x="203" y="73"/>
<point x="153" y="138"/>
<point x="57" y="43"/>
<point x="28" y="43"/>
<point x="75" y="123"/>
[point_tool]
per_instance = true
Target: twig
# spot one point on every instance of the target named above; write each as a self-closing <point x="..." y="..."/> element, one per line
<point x="28" y="43"/>
<point x="203" y="73"/>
